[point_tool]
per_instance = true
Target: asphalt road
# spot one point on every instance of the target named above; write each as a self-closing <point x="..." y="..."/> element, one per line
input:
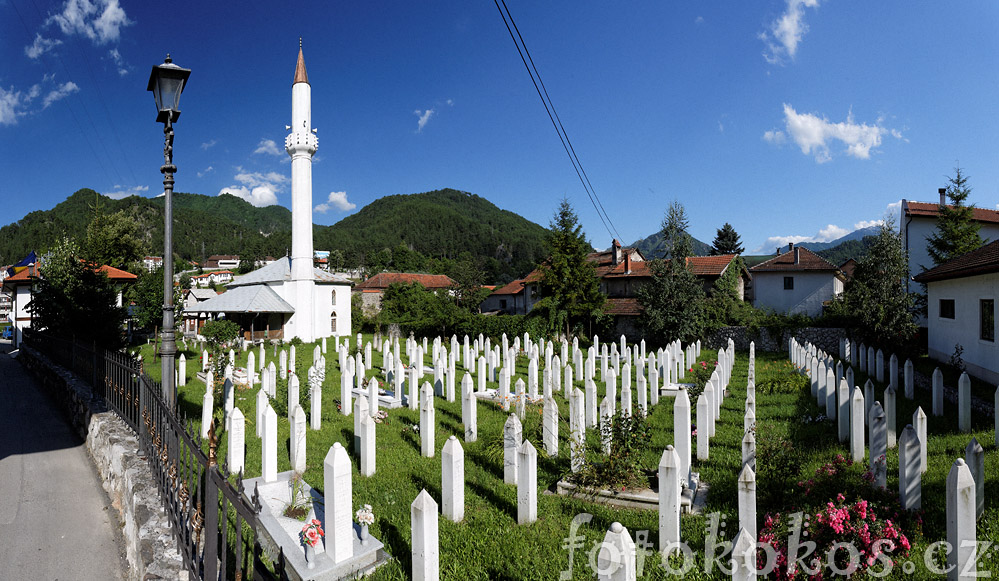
<point x="56" y="522"/>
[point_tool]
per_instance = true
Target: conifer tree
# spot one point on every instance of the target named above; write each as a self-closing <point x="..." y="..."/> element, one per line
<point x="570" y="291"/>
<point x="726" y="241"/>
<point x="673" y="300"/>
<point x="957" y="230"/>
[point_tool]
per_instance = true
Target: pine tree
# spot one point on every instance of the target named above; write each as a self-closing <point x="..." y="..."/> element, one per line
<point x="726" y="241"/>
<point x="673" y="300"/>
<point x="957" y="230"/>
<point x="570" y="291"/>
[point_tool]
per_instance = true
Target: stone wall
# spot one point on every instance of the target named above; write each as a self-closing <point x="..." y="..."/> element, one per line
<point x="150" y="547"/>
<point x="826" y="338"/>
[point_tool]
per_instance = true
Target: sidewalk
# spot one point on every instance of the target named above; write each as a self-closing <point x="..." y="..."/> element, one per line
<point x="55" y="518"/>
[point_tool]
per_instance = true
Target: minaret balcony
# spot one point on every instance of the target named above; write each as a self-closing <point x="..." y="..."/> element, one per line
<point x="301" y="142"/>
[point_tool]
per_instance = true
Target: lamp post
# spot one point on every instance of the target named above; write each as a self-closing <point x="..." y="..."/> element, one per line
<point x="167" y="81"/>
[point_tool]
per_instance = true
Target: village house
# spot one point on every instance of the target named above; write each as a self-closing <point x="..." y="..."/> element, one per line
<point x="21" y="287"/>
<point x="151" y="263"/>
<point x="514" y="298"/>
<point x="961" y="310"/>
<point x="373" y="289"/>
<point x="919" y="223"/>
<point x="222" y="262"/>
<point x="210" y="279"/>
<point x="796" y="282"/>
<point x="193" y="318"/>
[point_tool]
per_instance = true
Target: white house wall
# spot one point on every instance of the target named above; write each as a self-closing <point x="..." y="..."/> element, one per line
<point x="810" y="290"/>
<point x="915" y="235"/>
<point x="980" y="357"/>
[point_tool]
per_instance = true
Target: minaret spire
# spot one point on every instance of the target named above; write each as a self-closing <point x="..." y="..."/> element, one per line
<point x="300" y="75"/>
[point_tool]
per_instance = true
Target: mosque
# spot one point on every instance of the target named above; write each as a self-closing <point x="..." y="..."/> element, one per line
<point x="291" y="297"/>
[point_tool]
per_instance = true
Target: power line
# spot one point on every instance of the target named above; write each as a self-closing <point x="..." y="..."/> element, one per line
<point x="554" y="118"/>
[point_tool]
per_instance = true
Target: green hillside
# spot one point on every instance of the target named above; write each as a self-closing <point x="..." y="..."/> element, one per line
<point x="434" y="229"/>
<point x="441" y="224"/>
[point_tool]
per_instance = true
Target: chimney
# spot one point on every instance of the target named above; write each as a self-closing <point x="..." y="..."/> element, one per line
<point x="627" y="263"/>
<point x="943" y="196"/>
<point x="797" y="255"/>
<point x="616" y="252"/>
<point x="790" y="246"/>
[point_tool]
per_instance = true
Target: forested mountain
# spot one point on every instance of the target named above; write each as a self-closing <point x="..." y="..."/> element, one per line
<point x="439" y="225"/>
<point x="652" y="246"/>
<point x="429" y="231"/>
<point x="855" y="249"/>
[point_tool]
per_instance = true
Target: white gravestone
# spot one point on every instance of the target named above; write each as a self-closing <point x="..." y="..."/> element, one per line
<point x="938" y="398"/>
<point x="453" y="480"/>
<point x="703" y="412"/>
<point x="890" y="407"/>
<point x="237" y="436"/>
<point x="964" y="403"/>
<point x="908" y="379"/>
<point x="338" y="502"/>
<point x="617" y="559"/>
<point x="961" y="521"/>
<point x="747" y="500"/>
<point x="974" y="457"/>
<point x="428" y="423"/>
<point x="857" y="426"/>
<point x="268" y="446"/>
<point x="426" y="540"/>
<point x="671" y="477"/>
<point x="297" y="439"/>
<point x="577" y="428"/>
<point x="879" y="446"/>
<point x="207" y="405"/>
<point x="527" y="484"/>
<point x="512" y="440"/>
<point x="367" y="445"/>
<point x="920" y="422"/>
<point x="360" y="410"/>
<point x="550" y="426"/>
<point x="909" y="470"/>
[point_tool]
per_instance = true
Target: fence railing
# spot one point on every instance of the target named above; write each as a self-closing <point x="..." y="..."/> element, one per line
<point x="214" y="524"/>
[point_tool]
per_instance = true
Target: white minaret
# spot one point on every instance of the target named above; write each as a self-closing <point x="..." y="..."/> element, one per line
<point x="301" y="145"/>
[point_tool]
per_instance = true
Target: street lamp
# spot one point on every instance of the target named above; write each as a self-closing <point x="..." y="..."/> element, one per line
<point x="167" y="82"/>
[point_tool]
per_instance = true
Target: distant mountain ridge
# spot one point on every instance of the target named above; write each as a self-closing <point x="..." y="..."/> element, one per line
<point x="438" y="224"/>
<point x="651" y="246"/>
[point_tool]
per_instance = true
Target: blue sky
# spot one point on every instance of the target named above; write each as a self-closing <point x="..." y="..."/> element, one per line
<point x="789" y="119"/>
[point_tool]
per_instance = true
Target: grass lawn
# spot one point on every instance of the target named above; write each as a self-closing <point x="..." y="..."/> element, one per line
<point x="489" y="544"/>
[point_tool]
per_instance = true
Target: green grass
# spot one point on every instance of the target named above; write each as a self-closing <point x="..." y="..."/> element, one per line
<point x="489" y="544"/>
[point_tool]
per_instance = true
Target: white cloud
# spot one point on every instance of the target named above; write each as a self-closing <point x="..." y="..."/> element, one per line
<point x="813" y="134"/>
<point x="699" y="20"/>
<point x="99" y="20"/>
<point x="118" y="61"/>
<point x="424" y="117"/>
<point x="208" y="144"/>
<point x="123" y="192"/>
<point x="260" y="189"/>
<point x="61" y="92"/>
<point x="206" y="171"/>
<point x="828" y="234"/>
<point x="337" y="200"/>
<point x="784" y="33"/>
<point x="41" y="46"/>
<point x="450" y="102"/>
<point x="267" y="146"/>
<point x="11" y="105"/>
<point x="867" y="224"/>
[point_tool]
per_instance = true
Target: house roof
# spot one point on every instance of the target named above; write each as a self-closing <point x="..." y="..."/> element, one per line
<point x="807" y="261"/>
<point x="280" y="271"/>
<point x="512" y="288"/>
<point x="629" y="307"/>
<point x="24" y="276"/>
<point x="704" y="266"/>
<point x="32" y="272"/>
<point x="258" y="298"/>
<point x="930" y="210"/>
<point x="382" y="280"/>
<point x="202" y="294"/>
<point x="985" y="260"/>
<point x="116" y="273"/>
<point x="848" y="267"/>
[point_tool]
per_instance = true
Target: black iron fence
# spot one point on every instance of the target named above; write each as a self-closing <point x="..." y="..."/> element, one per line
<point x="215" y="525"/>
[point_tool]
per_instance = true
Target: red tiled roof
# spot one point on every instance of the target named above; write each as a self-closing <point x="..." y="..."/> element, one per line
<point x="512" y="288"/>
<point x="982" y="261"/>
<point x="807" y="260"/>
<point x="116" y="273"/>
<point x="931" y="210"/>
<point x="384" y="279"/>
<point x="699" y="265"/>
<point x="24" y="276"/>
<point x="848" y="267"/>
<point x="623" y="307"/>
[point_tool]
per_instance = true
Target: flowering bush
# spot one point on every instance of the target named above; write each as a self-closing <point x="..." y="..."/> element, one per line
<point x="380" y="417"/>
<point x="854" y="526"/>
<point x="312" y="533"/>
<point x="698" y="374"/>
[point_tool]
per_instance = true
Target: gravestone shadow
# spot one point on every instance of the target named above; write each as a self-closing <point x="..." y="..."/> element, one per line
<point x="501" y="504"/>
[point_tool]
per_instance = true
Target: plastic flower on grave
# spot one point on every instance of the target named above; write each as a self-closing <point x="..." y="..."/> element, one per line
<point x="365" y="516"/>
<point x="312" y="533"/>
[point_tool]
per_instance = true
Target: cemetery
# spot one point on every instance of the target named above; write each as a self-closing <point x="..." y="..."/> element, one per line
<point x="517" y="458"/>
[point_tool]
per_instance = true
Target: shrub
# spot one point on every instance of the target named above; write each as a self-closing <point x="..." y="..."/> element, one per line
<point x="780" y="378"/>
<point x="621" y="469"/>
<point x="698" y="375"/>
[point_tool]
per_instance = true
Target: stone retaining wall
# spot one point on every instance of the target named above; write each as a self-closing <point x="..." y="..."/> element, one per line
<point x="150" y="547"/>
<point x="826" y="338"/>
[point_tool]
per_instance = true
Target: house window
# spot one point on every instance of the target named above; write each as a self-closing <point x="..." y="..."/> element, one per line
<point x="333" y="323"/>
<point x="946" y="308"/>
<point x="987" y="308"/>
<point x="503" y="304"/>
<point x="788" y="283"/>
